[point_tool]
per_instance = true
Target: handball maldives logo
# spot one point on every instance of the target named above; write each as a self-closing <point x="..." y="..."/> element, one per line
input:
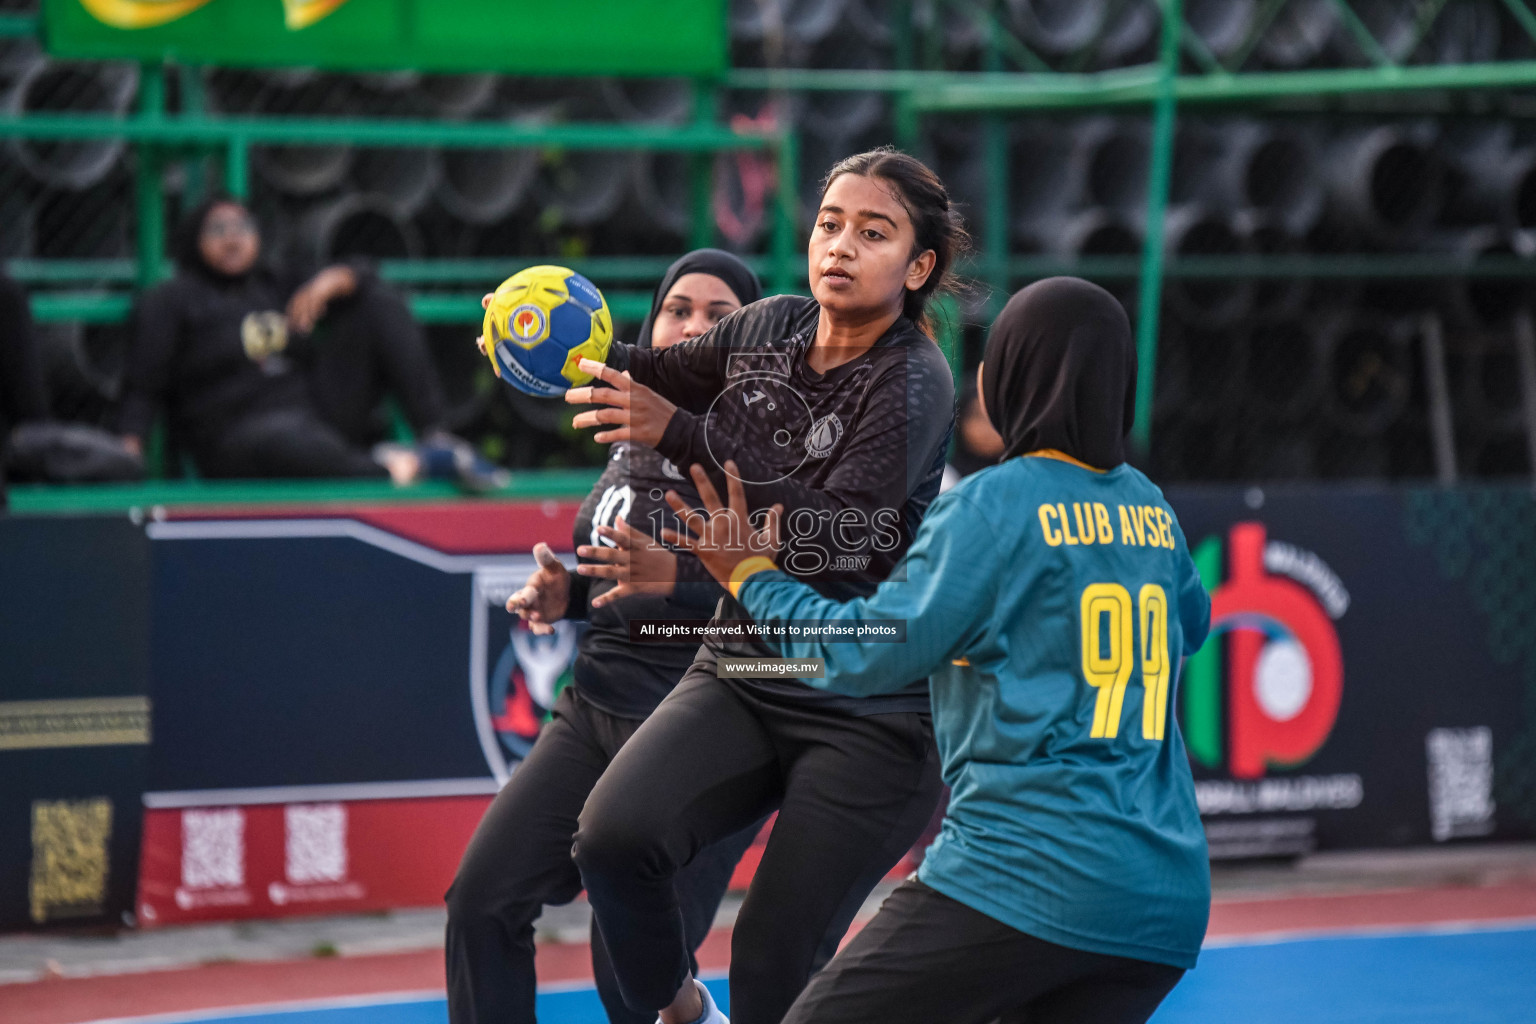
<point x="1272" y="629"/>
<point x="527" y="324"/>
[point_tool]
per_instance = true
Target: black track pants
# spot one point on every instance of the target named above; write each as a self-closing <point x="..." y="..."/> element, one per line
<point x="853" y="794"/>
<point x="927" y="958"/>
<point x="520" y="859"/>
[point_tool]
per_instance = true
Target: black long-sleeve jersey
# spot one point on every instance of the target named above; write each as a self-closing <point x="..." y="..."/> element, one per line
<point x="622" y="677"/>
<point x="855" y="455"/>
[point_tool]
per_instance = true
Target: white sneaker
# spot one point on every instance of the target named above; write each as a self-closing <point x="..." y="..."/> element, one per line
<point x="712" y="1014"/>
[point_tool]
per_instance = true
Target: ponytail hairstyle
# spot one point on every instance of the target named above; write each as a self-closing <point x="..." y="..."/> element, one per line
<point x="936" y="223"/>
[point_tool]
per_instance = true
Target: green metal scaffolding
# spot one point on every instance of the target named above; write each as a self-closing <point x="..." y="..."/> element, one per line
<point x="1184" y="75"/>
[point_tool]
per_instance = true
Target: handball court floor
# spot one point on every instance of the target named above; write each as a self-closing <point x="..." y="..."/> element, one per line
<point x="1445" y="935"/>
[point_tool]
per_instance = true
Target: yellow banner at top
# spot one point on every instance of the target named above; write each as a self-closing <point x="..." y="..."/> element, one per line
<point x="136" y="14"/>
<point x="531" y="37"/>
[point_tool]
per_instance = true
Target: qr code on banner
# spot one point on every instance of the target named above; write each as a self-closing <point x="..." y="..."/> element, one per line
<point x="1460" y="782"/>
<point x="69" y="857"/>
<point x="213" y="848"/>
<point x="316" y="842"/>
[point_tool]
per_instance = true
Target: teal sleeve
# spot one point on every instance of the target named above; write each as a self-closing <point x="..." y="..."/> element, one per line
<point x="943" y="589"/>
<point x="1194" y="602"/>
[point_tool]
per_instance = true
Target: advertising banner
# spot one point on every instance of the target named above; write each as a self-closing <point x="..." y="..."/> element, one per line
<point x="595" y="37"/>
<point x="1371" y="675"/>
<point x="74" y="718"/>
<point x="339" y="695"/>
<point x="346" y="691"/>
<point x="276" y="860"/>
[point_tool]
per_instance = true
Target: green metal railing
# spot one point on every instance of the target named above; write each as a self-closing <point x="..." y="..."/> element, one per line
<point x="1014" y="80"/>
<point x="1163" y="87"/>
<point x="158" y="136"/>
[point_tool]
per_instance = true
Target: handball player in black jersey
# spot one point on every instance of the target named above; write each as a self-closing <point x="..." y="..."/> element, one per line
<point x="839" y="409"/>
<point x="520" y="856"/>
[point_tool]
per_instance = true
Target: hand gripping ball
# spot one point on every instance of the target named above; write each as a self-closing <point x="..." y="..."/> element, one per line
<point x="541" y="322"/>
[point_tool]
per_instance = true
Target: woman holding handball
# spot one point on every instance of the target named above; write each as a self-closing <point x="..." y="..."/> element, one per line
<point x="837" y="408"/>
<point x="520" y="856"/>
<point x="1052" y="598"/>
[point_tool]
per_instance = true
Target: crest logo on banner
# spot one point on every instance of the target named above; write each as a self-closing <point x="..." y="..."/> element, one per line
<point x="515" y="673"/>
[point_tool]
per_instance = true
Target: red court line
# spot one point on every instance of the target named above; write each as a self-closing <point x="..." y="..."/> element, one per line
<point x="74" y="1000"/>
<point x="214" y="986"/>
<point x="1382" y="909"/>
<point x="70" y="1000"/>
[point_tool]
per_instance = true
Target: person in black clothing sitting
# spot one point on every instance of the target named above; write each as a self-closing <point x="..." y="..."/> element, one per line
<point x="22" y="398"/>
<point x="22" y="395"/>
<point x="36" y="446"/>
<point x="266" y="373"/>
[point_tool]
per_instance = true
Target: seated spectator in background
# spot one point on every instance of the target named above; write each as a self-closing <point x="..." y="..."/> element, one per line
<point x="22" y="398"/>
<point x="264" y="372"/>
<point x="21" y="377"/>
<point x="977" y="443"/>
<point x="33" y="445"/>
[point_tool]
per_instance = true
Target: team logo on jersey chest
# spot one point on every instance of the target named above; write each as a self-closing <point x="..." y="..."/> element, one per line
<point x="823" y="436"/>
<point x="263" y="335"/>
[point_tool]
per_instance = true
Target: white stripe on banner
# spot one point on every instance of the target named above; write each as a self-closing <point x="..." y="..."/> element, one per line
<point x="339" y="792"/>
<point x="271" y="529"/>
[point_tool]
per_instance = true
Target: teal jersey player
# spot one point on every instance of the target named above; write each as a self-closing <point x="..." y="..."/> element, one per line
<point x="1051" y="599"/>
<point x="1051" y="605"/>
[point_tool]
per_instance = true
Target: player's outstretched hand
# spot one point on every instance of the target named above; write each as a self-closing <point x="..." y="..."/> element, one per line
<point x="632" y="410"/>
<point x="640" y="565"/>
<point x="544" y="597"/>
<point x="485" y="303"/>
<point x="724" y="535"/>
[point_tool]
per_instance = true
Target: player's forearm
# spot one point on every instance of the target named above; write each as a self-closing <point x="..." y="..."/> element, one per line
<point x="683" y="374"/>
<point x="853" y="667"/>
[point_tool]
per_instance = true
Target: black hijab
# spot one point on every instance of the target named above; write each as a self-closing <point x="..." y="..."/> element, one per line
<point x="1060" y="372"/>
<point x="186" y="247"/>
<point x="738" y="277"/>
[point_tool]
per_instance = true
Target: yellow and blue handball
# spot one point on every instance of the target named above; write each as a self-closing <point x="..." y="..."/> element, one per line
<point x="542" y="322"/>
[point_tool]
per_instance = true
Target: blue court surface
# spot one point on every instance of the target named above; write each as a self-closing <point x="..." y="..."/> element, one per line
<point x="1460" y="977"/>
